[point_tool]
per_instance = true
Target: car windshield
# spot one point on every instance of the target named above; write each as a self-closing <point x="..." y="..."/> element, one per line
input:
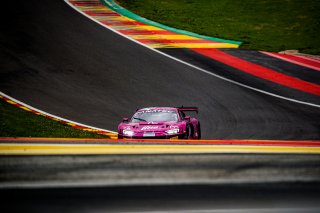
<point x="154" y="116"/>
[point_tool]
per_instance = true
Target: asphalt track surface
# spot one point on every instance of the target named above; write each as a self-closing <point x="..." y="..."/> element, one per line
<point x="246" y="198"/>
<point x="161" y="183"/>
<point x="57" y="60"/>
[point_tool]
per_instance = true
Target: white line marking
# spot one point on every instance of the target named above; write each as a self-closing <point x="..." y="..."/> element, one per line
<point x="308" y="58"/>
<point x="195" y="67"/>
<point x="290" y="60"/>
<point x="57" y="117"/>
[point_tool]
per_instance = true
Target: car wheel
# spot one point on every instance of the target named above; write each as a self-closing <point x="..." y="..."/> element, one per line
<point x="199" y="131"/>
<point x="188" y="134"/>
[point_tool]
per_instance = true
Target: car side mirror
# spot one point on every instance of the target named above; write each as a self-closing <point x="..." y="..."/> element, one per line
<point x="187" y="118"/>
<point x="125" y="120"/>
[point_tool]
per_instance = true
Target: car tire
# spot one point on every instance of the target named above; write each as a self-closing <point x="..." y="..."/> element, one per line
<point x="188" y="134"/>
<point x="199" y="131"/>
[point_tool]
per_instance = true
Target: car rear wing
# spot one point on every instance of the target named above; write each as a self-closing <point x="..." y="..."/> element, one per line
<point x="193" y="109"/>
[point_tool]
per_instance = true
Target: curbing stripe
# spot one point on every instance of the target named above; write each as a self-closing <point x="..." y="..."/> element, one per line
<point x="124" y="22"/>
<point x="111" y="4"/>
<point x="12" y="101"/>
<point x="93" y="149"/>
<point x="260" y="71"/>
<point x="302" y="61"/>
<point x="292" y="143"/>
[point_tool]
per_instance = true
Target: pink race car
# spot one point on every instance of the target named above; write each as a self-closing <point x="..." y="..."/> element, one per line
<point x="161" y="122"/>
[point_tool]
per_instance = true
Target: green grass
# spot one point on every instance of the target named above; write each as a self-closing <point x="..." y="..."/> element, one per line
<point x="271" y="25"/>
<point x="16" y="122"/>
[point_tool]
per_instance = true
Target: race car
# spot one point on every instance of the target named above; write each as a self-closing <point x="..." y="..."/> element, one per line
<point x="162" y="123"/>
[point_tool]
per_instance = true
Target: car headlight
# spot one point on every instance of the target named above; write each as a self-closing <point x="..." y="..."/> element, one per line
<point x="128" y="132"/>
<point x="172" y="131"/>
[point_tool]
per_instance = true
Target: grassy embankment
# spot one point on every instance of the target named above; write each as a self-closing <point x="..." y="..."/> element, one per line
<point x="271" y="25"/>
<point x="16" y="122"/>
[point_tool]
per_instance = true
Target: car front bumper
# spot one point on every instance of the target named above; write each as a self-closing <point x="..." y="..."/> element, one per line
<point x="156" y="136"/>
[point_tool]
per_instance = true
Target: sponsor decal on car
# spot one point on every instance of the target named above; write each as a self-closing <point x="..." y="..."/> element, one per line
<point x="149" y="127"/>
<point x="173" y="127"/>
<point x="152" y="122"/>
